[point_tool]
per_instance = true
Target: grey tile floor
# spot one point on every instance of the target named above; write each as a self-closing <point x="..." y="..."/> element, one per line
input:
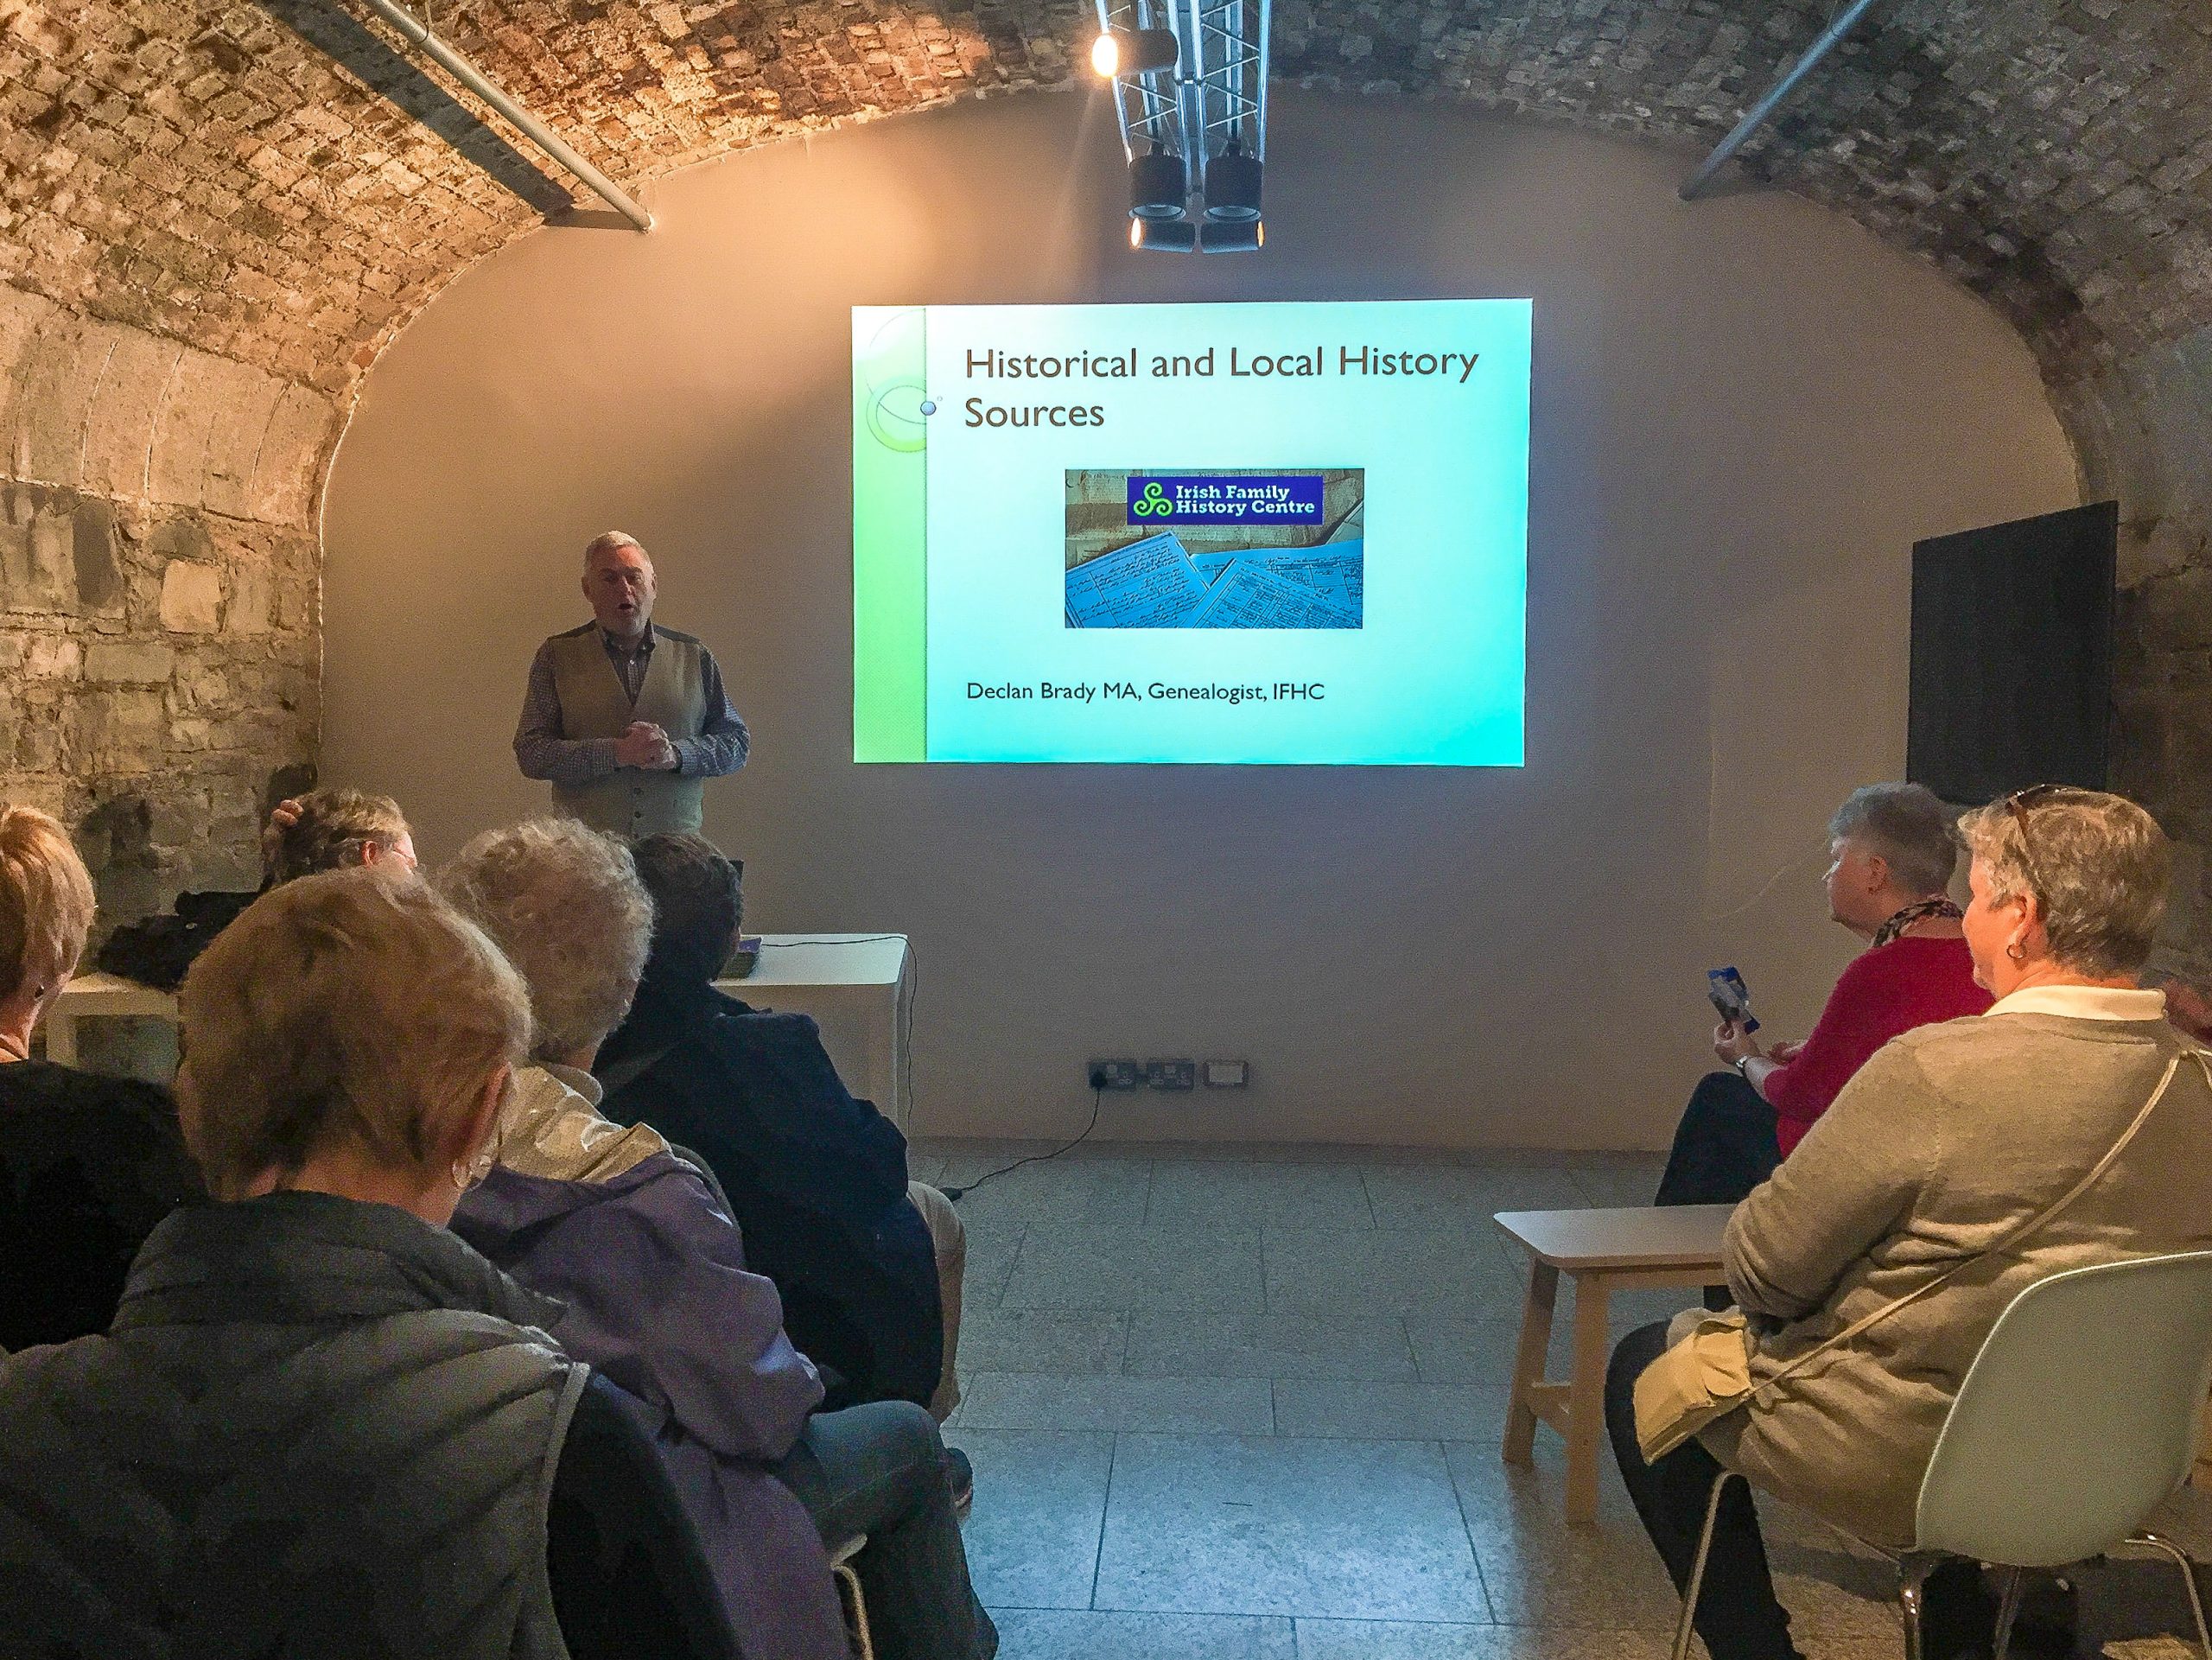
<point x="1245" y="1403"/>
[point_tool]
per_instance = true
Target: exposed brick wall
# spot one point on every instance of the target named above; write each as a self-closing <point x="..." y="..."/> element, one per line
<point x="270" y="185"/>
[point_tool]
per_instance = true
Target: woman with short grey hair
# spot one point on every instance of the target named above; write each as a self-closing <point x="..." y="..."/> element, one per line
<point x="651" y="1273"/>
<point x="1891" y="856"/>
<point x="1947" y="1142"/>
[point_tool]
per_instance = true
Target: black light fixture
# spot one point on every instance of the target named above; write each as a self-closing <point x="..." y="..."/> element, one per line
<point x="1232" y="235"/>
<point x="1233" y="185"/>
<point x="1168" y="235"/>
<point x="1158" y="185"/>
<point x="1133" y="52"/>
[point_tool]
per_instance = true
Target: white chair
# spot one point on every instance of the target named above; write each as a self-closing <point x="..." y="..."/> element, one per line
<point x="2077" y="1419"/>
<point x="850" y="1597"/>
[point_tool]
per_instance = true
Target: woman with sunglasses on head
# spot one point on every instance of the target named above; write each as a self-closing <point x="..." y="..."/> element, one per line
<point x="1949" y="1140"/>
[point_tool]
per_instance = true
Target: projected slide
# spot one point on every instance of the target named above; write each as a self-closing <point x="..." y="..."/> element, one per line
<point x="1285" y="533"/>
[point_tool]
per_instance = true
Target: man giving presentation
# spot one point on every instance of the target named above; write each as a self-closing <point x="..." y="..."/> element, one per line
<point x="625" y="720"/>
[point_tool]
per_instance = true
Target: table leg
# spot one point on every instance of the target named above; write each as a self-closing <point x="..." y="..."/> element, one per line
<point x="1586" y="1420"/>
<point x="883" y="1052"/>
<point x="60" y="1037"/>
<point x="1528" y="1363"/>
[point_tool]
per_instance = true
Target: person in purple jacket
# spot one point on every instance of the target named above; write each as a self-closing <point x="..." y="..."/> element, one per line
<point x="628" y="1235"/>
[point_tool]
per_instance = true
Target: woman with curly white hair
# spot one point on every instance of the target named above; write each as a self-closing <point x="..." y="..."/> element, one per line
<point x="627" y="1234"/>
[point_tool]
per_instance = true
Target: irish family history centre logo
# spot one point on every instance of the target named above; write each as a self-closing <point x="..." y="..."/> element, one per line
<point x="1227" y="499"/>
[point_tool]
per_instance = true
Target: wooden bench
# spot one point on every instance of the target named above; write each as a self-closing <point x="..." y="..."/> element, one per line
<point x="1602" y="1251"/>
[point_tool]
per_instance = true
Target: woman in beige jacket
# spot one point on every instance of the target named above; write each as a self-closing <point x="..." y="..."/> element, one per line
<point x="1950" y="1136"/>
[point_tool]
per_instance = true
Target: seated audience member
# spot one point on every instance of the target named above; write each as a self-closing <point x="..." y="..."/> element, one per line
<point x="2189" y="1007"/>
<point x="1892" y="852"/>
<point x="321" y="1424"/>
<point x="869" y="1264"/>
<point x="331" y="829"/>
<point x="1948" y="1138"/>
<point x="655" y="1277"/>
<point x="88" y="1164"/>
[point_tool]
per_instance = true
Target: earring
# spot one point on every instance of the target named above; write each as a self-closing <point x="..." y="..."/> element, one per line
<point x="458" y="1174"/>
<point x="2017" y="951"/>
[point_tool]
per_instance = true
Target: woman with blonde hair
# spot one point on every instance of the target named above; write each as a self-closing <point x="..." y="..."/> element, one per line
<point x="88" y="1164"/>
<point x="1949" y="1140"/>
<point x="333" y="829"/>
<point x="319" y="1423"/>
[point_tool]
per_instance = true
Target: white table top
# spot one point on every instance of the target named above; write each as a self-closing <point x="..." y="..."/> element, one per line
<point x="97" y="993"/>
<point x="1644" y="1236"/>
<point x="786" y="960"/>
<point x="824" y="959"/>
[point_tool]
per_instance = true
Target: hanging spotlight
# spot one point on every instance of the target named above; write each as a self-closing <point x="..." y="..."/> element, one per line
<point x="1189" y="88"/>
<point x="1233" y="185"/>
<point x="1133" y="52"/>
<point x="1158" y="185"/>
<point x="1232" y="236"/>
<point x="1168" y="235"/>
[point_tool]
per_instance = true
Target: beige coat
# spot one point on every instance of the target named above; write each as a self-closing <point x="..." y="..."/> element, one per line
<point x="1948" y="1137"/>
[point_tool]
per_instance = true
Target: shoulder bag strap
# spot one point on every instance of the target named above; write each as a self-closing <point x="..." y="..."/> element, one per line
<point x="2048" y="1214"/>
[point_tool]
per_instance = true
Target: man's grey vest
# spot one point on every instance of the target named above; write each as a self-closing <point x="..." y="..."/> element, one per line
<point x="594" y="704"/>
<point x="304" y="1439"/>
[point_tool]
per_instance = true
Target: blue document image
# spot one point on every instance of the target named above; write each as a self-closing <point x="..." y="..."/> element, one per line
<point x="1154" y="582"/>
<point x="1150" y="583"/>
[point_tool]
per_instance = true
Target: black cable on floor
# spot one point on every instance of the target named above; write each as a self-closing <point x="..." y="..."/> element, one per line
<point x="1097" y="1099"/>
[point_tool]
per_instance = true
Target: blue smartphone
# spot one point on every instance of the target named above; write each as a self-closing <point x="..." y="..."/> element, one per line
<point x="1730" y="998"/>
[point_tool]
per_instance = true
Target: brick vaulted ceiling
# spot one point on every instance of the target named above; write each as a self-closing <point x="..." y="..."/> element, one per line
<point x="237" y="177"/>
<point x="214" y="213"/>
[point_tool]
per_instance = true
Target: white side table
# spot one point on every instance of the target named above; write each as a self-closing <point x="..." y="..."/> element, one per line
<point x="860" y="989"/>
<point x="88" y="995"/>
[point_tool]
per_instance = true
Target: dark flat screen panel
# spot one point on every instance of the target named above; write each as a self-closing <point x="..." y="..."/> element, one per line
<point x="2012" y="655"/>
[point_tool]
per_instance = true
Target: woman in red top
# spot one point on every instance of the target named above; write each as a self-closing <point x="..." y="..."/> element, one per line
<point x="1893" y="851"/>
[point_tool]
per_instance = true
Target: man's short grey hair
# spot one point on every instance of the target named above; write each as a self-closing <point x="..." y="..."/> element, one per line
<point x="608" y="541"/>
<point x="1908" y="828"/>
<point x="564" y="903"/>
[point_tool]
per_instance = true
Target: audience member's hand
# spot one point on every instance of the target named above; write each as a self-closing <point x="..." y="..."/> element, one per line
<point x="2190" y="1008"/>
<point x="282" y="818"/>
<point x="1731" y="1043"/>
<point x="1786" y="1052"/>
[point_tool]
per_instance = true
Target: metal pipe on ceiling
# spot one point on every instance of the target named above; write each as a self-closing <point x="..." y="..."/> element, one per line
<point x="1839" y="26"/>
<point x="536" y="131"/>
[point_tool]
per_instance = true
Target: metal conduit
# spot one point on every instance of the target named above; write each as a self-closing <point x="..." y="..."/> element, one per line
<point x="1756" y="117"/>
<point x="536" y="131"/>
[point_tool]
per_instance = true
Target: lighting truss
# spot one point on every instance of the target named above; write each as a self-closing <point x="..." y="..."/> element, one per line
<point x="1215" y="97"/>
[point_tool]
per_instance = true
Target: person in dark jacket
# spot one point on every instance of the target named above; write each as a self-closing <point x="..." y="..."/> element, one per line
<point x="816" y="1177"/>
<point x="655" y="1279"/>
<point x="319" y="1423"/>
<point x="88" y="1164"/>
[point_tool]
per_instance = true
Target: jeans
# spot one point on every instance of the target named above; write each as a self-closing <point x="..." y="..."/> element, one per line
<point x="879" y="1470"/>
<point x="1738" y="1613"/>
<point x="1723" y="1146"/>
